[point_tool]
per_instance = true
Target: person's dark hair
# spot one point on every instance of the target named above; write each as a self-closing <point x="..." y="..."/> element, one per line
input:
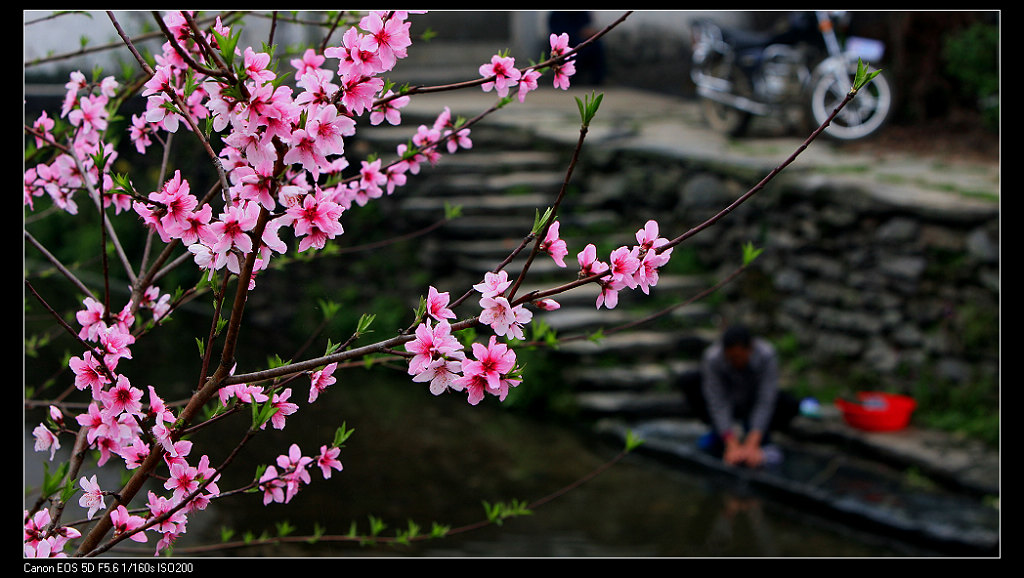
<point x="736" y="335"/>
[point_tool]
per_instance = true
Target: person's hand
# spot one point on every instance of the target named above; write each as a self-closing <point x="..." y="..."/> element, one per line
<point x="735" y="453"/>
<point x="753" y="456"/>
<point x="748" y="452"/>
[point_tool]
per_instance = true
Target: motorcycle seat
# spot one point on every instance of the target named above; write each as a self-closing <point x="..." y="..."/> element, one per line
<point x="741" y="39"/>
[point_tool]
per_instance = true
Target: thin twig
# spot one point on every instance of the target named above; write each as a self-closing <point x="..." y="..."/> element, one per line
<point x="759" y="186"/>
<point x="60" y="266"/>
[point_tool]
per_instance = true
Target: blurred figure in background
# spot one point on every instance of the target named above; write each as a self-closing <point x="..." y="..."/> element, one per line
<point x="739" y="380"/>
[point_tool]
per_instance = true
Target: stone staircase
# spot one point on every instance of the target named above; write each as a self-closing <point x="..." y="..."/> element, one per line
<point x="499" y="185"/>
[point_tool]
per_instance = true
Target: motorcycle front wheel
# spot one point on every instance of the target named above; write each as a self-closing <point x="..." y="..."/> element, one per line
<point x="862" y="116"/>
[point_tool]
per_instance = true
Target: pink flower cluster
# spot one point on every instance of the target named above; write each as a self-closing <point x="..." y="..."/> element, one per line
<point x="630" y="268"/>
<point x="266" y="126"/>
<point x="117" y="423"/>
<point x="282" y="482"/>
<point x="43" y="542"/>
<point x="74" y="168"/>
<point x="440" y="359"/>
<point x="438" y="356"/>
<point x="502" y="75"/>
<point x="497" y="312"/>
<point x="282" y="158"/>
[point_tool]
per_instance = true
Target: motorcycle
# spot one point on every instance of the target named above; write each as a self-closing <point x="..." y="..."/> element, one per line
<point x="800" y="74"/>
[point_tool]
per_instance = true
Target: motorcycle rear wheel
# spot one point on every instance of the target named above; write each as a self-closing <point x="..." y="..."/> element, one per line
<point x="722" y="117"/>
<point x="861" y="117"/>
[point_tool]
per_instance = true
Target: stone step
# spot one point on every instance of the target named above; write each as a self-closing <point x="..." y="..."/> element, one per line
<point x="490" y="152"/>
<point x="641" y="345"/>
<point x="543" y="267"/>
<point x="632" y="378"/>
<point x="631" y="404"/>
<point x="511" y="183"/>
<point x="568" y="321"/>
<point x="520" y="204"/>
<point x="585" y="296"/>
<point x="695" y="315"/>
<point x="518" y="226"/>
<point x="489" y="227"/>
<point x="499" y="161"/>
<point x="443" y="61"/>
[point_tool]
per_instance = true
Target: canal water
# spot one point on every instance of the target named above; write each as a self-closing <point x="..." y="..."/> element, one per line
<point x="426" y="459"/>
<point x="416" y="457"/>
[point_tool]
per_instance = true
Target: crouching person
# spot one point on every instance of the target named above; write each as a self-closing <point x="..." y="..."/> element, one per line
<point x="739" y="382"/>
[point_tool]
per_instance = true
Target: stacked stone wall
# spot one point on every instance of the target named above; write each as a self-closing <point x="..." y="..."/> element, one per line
<point x="849" y="279"/>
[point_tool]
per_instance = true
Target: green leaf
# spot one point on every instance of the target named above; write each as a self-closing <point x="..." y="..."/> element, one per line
<point x="260" y="469"/>
<point x="284" y="528"/>
<point x="318" y="532"/>
<point x="542" y="331"/>
<point x="405" y="536"/>
<point x="863" y="76"/>
<point x="331" y="347"/>
<point x="750" y="253"/>
<point x="261" y="414"/>
<point x="497" y="513"/>
<point x="340" y="435"/>
<point x="588" y="107"/>
<point x="428" y="35"/>
<point x="276" y="361"/>
<point x="376" y="525"/>
<point x="540" y="221"/>
<point x="68" y="490"/>
<point x="438" y="530"/>
<point x="122" y="183"/>
<point x="421" y="308"/>
<point x="227" y="46"/>
<point x="466" y="336"/>
<point x="452" y="211"/>
<point x="632" y="441"/>
<point x="53" y="482"/>
<point x="191" y="83"/>
<point x="226" y="533"/>
<point x="503" y="102"/>
<point x="365" y="321"/>
<point x="221" y="324"/>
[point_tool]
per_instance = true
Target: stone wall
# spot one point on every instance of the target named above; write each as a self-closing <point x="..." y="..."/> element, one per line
<point x="851" y="282"/>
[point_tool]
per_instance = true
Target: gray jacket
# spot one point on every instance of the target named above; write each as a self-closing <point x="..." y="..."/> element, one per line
<point x="748" y="394"/>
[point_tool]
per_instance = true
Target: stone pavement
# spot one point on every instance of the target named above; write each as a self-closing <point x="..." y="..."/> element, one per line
<point x="638" y="120"/>
<point x="643" y="120"/>
<point x="962" y="464"/>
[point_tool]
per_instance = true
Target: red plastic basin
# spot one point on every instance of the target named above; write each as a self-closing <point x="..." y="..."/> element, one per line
<point x="877" y="411"/>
